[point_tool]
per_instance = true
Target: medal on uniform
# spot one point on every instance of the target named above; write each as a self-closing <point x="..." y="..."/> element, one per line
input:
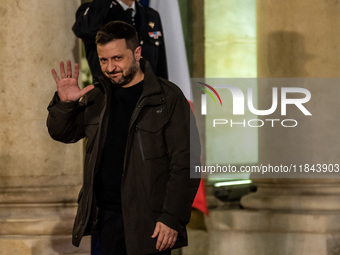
<point x="151" y="24"/>
<point x="155" y="34"/>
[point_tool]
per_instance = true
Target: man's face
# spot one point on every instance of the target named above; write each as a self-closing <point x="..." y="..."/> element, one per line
<point x="118" y="63"/>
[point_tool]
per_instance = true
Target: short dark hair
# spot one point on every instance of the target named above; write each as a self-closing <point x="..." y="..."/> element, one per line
<point x="118" y="30"/>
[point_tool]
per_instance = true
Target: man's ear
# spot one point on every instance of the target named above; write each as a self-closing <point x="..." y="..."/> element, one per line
<point x="138" y="53"/>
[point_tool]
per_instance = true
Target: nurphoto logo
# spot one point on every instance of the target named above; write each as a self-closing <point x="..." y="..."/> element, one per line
<point x="240" y="101"/>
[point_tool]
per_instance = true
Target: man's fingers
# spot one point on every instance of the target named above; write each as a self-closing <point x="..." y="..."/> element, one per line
<point x="76" y="71"/>
<point x="156" y="231"/>
<point x="163" y="243"/>
<point x="68" y="69"/>
<point x="168" y="243"/>
<point x="62" y="70"/>
<point x="174" y="239"/>
<point x="55" y="75"/>
<point x="68" y="73"/>
<point x="86" y="89"/>
<point x="167" y="237"/>
<point x="160" y="240"/>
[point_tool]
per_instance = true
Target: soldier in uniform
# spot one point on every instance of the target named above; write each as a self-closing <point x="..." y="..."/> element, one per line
<point x="91" y="16"/>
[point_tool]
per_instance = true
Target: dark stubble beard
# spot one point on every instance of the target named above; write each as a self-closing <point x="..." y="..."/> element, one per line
<point x="128" y="77"/>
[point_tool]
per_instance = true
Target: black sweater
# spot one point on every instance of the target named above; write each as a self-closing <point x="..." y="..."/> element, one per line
<point x="108" y="179"/>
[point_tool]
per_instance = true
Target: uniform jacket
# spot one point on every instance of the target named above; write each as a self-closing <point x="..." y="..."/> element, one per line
<point x="91" y="16"/>
<point x="156" y="183"/>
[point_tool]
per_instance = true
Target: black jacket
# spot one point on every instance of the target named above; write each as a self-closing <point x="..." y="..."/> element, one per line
<point x="156" y="183"/>
<point x="91" y="16"/>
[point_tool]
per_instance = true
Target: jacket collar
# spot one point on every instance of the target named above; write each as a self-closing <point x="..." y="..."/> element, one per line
<point x="151" y="84"/>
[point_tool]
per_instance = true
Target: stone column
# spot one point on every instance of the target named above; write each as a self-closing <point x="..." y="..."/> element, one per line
<point x="39" y="178"/>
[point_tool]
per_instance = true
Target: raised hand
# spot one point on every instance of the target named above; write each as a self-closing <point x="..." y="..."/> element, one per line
<point x="67" y="86"/>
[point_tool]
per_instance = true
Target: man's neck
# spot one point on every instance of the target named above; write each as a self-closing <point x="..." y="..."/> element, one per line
<point x="128" y="2"/>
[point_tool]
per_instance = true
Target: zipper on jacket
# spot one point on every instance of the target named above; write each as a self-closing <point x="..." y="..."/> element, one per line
<point x="140" y="142"/>
<point x="134" y="116"/>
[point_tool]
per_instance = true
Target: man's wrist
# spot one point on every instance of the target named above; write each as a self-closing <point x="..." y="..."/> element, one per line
<point x="170" y="221"/>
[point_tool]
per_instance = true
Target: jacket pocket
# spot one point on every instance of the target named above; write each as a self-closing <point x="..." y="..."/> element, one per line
<point x="151" y="144"/>
<point x="150" y="134"/>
